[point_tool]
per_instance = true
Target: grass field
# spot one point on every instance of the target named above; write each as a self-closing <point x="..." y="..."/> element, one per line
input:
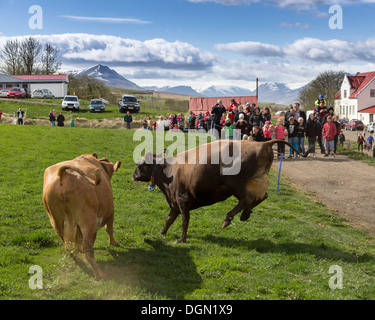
<point x="284" y="251"/>
<point x="39" y="109"/>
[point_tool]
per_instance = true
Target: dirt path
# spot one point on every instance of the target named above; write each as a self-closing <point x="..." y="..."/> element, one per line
<point x="341" y="184"/>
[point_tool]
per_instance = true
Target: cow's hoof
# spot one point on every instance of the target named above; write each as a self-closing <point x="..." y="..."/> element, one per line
<point x="181" y="240"/>
<point x="245" y="216"/>
<point x="99" y="275"/>
<point x="226" y="223"/>
<point x="114" y="243"/>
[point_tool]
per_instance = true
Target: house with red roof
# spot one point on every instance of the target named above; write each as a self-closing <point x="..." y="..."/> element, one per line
<point x="356" y="98"/>
<point x="56" y="83"/>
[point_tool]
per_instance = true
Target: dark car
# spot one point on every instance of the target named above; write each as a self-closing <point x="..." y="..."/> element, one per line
<point x="17" y="93"/>
<point x="355" y="125"/>
<point x="96" y="105"/>
<point x="343" y="122"/>
<point x="129" y="103"/>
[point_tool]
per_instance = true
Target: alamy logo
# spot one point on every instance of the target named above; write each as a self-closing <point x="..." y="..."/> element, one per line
<point x="36" y="281"/>
<point x="36" y="21"/>
<point x="337" y="20"/>
<point x="336" y="281"/>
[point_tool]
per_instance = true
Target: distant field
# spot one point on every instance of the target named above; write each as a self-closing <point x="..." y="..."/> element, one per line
<point x="39" y="109"/>
<point x="285" y="250"/>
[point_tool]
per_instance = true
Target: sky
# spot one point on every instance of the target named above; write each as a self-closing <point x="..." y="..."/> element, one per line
<point x="200" y="43"/>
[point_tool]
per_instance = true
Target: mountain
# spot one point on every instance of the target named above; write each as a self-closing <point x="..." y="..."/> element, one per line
<point x="267" y="92"/>
<point x="278" y="93"/>
<point x="109" y="76"/>
<point x="185" y="90"/>
<point x="222" y="91"/>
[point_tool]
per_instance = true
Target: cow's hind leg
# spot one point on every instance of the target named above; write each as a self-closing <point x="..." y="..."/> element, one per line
<point x="249" y="209"/>
<point x="89" y="236"/>
<point x="173" y="214"/>
<point x="109" y="230"/>
<point x="230" y="215"/>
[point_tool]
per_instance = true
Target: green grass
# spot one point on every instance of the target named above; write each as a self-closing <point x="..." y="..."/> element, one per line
<point x="354" y="154"/>
<point x="284" y="251"/>
<point x="42" y="108"/>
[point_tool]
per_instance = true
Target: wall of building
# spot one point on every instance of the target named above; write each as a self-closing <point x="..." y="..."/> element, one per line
<point x="59" y="90"/>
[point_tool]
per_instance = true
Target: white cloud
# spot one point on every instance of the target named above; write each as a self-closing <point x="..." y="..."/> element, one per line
<point x="298" y="25"/>
<point x="79" y="48"/>
<point x="250" y="48"/>
<point x="308" y="50"/>
<point x="105" y="20"/>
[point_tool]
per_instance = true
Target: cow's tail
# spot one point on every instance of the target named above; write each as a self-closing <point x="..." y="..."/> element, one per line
<point x="272" y="142"/>
<point x="94" y="177"/>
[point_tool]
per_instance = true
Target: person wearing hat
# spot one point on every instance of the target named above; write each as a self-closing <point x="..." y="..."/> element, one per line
<point x="233" y="104"/>
<point x="330" y="113"/>
<point x="228" y="129"/>
<point x="320" y="99"/>
<point x="267" y="131"/>
<point x="242" y="125"/>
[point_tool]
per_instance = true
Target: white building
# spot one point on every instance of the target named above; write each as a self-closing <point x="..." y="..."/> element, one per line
<point x="56" y="83"/>
<point x="356" y="99"/>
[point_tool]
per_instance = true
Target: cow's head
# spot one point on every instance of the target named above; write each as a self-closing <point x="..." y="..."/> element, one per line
<point x="145" y="167"/>
<point x="110" y="167"/>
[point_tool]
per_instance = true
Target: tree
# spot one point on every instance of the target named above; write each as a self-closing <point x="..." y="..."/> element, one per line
<point x="50" y="62"/>
<point x="10" y="58"/>
<point x="30" y="56"/>
<point x="327" y="83"/>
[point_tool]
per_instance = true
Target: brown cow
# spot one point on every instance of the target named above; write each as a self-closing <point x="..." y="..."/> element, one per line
<point x="191" y="186"/>
<point x="78" y="198"/>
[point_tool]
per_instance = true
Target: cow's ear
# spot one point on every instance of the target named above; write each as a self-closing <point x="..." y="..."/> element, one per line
<point x="95" y="155"/>
<point x="149" y="158"/>
<point x="117" y="166"/>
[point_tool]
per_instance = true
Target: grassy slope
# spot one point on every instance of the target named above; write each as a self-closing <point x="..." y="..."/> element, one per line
<point x="284" y="251"/>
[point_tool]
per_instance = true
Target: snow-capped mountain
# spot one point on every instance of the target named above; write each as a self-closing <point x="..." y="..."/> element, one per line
<point x="109" y="76"/>
<point x="223" y="91"/>
<point x="267" y="92"/>
<point x="278" y="93"/>
<point x="185" y="90"/>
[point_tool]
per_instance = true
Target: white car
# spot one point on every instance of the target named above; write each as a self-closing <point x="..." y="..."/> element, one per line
<point x="42" y="94"/>
<point x="3" y="93"/>
<point x="371" y="127"/>
<point x="70" y="102"/>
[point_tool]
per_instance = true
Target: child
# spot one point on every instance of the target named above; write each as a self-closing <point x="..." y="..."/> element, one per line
<point x="149" y="124"/>
<point x="279" y="134"/>
<point x="360" y="141"/>
<point x="329" y="132"/>
<point x="348" y="144"/>
<point x="341" y="139"/>
<point x="301" y="129"/>
<point x="257" y="134"/>
<point x="144" y="123"/>
<point x="292" y="135"/>
<point x="370" y="141"/>
<point x="71" y="124"/>
<point x="266" y="131"/>
<point x="228" y="129"/>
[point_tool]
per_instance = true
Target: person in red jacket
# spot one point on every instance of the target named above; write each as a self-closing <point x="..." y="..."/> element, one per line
<point x="329" y="132"/>
<point x="1" y="113"/>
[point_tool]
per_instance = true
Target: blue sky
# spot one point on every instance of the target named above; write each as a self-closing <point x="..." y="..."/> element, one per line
<point x="202" y="42"/>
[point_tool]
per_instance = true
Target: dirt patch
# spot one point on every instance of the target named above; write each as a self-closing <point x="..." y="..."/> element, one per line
<point x="341" y="184"/>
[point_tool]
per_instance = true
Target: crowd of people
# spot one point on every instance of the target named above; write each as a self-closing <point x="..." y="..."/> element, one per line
<point x="320" y="128"/>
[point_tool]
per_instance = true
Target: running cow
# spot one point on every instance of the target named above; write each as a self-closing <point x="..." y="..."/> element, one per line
<point x="189" y="185"/>
<point x="77" y="195"/>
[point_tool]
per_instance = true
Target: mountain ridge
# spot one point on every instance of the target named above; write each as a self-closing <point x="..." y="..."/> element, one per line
<point x="274" y="92"/>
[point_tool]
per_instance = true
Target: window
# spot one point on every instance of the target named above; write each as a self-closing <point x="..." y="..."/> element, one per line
<point x="344" y="94"/>
<point x="372" y="93"/>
